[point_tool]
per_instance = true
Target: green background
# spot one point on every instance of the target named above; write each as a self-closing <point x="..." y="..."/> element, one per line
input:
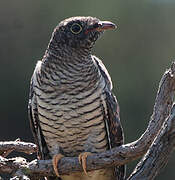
<point x="136" y="55"/>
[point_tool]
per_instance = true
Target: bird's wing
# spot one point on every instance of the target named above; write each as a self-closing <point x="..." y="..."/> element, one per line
<point x="116" y="135"/>
<point x="112" y="117"/>
<point x="43" y="151"/>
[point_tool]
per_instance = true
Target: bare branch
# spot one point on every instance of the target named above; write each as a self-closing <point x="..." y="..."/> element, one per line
<point x="117" y="156"/>
<point x="159" y="152"/>
<point x="9" y="146"/>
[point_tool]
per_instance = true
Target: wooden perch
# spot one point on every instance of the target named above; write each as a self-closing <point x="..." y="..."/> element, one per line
<point x="159" y="152"/>
<point x="156" y="140"/>
<point x="9" y="146"/>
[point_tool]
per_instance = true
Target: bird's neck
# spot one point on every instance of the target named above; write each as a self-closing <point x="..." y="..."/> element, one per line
<point x="72" y="63"/>
<point x="63" y="51"/>
<point x="66" y="58"/>
<point x="74" y="67"/>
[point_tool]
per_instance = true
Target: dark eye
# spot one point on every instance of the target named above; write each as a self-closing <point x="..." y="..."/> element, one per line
<point x="76" y="28"/>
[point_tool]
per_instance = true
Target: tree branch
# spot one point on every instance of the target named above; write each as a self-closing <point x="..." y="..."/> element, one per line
<point x="119" y="155"/>
<point x="9" y="146"/>
<point x="158" y="154"/>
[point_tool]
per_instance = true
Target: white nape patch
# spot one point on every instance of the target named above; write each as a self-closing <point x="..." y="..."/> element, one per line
<point x="98" y="63"/>
<point x="36" y="71"/>
<point x="106" y="123"/>
<point x="38" y="66"/>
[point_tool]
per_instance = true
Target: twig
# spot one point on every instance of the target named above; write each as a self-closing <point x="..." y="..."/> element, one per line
<point x="9" y="146"/>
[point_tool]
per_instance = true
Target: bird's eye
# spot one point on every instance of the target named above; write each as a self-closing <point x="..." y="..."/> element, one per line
<point x="76" y="28"/>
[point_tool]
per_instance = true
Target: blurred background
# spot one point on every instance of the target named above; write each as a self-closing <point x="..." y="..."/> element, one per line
<point x="136" y="55"/>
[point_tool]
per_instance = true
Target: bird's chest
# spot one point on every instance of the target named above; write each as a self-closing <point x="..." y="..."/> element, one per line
<point x="73" y="122"/>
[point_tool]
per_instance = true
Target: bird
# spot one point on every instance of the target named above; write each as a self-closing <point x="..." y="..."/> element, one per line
<point x="72" y="109"/>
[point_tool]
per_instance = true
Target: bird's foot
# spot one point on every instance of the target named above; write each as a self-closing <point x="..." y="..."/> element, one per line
<point x="55" y="162"/>
<point x="82" y="160"/>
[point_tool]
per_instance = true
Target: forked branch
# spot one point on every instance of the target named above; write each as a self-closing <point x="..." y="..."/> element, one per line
<point x="155" y="141"/>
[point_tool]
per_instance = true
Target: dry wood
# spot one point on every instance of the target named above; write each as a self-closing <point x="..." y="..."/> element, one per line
<point x="17" y="145"/>
<point x="159" y="152"/>
<point x="160" y="129"/>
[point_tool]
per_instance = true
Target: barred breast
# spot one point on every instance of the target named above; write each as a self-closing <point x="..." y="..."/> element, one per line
<point x="70" y="103"/>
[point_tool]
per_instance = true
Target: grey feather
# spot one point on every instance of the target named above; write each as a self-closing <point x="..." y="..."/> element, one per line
<point x="71" y="106"/>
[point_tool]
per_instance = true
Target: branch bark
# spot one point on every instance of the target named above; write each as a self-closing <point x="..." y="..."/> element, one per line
<point x="160" y="129"/>
<point x="159" y="153"/>
<point x="9" y="146"/>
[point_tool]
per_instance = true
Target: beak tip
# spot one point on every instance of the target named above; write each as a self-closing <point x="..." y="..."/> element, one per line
<point x="115" y="26"/>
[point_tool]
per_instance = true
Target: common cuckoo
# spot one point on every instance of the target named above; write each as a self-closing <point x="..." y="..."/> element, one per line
<point x="71" y="106"/>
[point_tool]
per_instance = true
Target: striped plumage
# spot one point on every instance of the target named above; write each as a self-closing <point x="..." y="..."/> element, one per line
<point x="71" y="107"/>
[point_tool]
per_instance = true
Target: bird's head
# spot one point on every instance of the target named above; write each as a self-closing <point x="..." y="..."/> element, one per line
<point x="79" y="32"/>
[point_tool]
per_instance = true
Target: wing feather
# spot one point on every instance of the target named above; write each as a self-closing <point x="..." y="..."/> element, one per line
<point x="43" y="152"/>
<point x="112" y="117"/>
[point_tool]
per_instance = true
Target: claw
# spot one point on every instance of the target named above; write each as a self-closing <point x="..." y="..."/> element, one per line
<point x="55" y="162"/>
<point x="82" y="160"/>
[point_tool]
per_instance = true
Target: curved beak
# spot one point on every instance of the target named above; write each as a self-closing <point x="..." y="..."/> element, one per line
<point x="101" y="26"/>
<point x="104" y="25"/>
